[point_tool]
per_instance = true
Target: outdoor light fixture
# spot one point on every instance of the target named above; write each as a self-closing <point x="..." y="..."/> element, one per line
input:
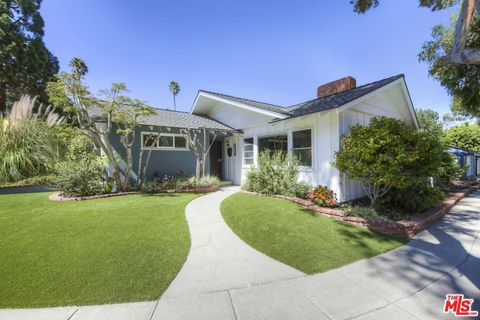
<point x="227" y="143"/>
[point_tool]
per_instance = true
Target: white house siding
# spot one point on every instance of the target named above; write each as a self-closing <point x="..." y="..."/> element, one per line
<point x="361" y="114"/>
<point x="232" y="164"/>
<point x="325" y="141"/>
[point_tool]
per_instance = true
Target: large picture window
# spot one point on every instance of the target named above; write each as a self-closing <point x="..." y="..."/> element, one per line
<point x="166" y="141"/>
<point x="248" y="151"/>
<point x="302" y="146"/>
<point x="273" y="144"/>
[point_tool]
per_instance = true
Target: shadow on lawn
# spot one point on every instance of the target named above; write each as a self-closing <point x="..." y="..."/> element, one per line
<point x="26" y="189"/>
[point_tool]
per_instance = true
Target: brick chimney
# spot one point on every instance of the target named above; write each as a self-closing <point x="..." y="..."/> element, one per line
<point x="336" y="86"/>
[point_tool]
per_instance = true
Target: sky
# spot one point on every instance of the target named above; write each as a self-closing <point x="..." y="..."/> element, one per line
<point x="271" y="51"/>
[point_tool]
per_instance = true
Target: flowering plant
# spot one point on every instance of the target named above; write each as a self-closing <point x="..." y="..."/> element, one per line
<point x="322" y="196"/>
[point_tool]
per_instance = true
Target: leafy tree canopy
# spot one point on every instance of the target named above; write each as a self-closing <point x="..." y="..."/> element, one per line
<point x="460" y="80"/>
<point x="429" y="121"/>
<point x="26" y="65"/>
<point x="464" y="136"/>
<point x="361" y="6"/>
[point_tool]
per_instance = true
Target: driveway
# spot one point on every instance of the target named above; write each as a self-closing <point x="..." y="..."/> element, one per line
<point x="223" y="278"/>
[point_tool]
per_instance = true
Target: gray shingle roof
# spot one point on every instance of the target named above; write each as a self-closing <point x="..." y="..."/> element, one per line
<point x="177" y="119"/>
<point x="338" y="99"/>
<point x="316" y="105"/>
<point x="253" y="103"/>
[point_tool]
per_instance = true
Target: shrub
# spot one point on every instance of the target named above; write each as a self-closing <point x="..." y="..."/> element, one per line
<point x="411" y="200"/>
<point x="27" y="148"/>
<point x="324" y="197"/>
<point x="82" y="178"/>
<point x="207" y="182"/>
<point x="388" y="154"/>
<point x="150" y="187"/>
<point x="302" y="190"/>
<point x="275" y="174"/>
<point x="179" y="183"/>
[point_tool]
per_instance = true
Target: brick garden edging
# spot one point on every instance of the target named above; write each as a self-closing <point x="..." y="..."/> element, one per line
<point x="57" y="196"/>
<point x="403" y="228"/>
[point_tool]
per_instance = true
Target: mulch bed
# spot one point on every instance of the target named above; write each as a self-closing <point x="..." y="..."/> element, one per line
<point x="403" y="228"/>
<point x="58" y="196"/>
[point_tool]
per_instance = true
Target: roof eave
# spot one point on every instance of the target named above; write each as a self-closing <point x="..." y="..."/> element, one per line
<point x="237" y="104"/>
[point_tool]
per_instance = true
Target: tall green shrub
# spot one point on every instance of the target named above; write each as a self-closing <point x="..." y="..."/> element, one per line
<point x="27" y="148"/>
<point x="275" y="174"/>
<point x="389" y="154"/>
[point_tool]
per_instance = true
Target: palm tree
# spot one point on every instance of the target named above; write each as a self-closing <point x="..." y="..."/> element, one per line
<point x="175" y="89"/>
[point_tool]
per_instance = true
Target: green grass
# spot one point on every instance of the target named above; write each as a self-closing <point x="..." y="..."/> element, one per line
<point x="111" y="250"/>
<point x="295" y="236"/>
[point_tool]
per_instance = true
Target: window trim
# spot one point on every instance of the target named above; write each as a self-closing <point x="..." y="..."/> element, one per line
<point x="311" y="146"/>
<point x="173" y="135"/>
<point x="253" y="152"/>
<point x="280" y="133"/>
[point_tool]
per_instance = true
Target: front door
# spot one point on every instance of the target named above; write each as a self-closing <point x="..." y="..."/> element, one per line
<point x="216" y="159"/>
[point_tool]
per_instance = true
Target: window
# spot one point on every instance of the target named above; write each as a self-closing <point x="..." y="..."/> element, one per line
<point x="165" y="142"/>
<point x="248" y="151"/>
<point x="273" y="144"/>
<point x="150" y="140"/>
<point x="180" y="142"/>
<point x="302" y="147"/>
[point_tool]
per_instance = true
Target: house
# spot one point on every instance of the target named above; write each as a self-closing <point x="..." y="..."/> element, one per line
<point x="310" y="130"/>
<point x="467" y="158"/>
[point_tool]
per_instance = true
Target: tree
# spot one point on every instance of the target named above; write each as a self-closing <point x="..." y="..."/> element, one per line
<point x="460" y="80"/>
<point x="26" y="65"/>
<point x="175" y="89"/>
<point x="462" y="52"/>
<point x="198" y="141"/>
<point x="429" y="121"/>
<point x="387" y="154"/>
<point x="70" y="93"/>
<point x="466" y="136"/>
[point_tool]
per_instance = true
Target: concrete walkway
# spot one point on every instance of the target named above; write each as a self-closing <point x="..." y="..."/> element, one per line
<point x="223" y="278"/>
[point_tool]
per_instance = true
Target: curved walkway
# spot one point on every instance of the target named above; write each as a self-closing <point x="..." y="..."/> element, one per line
<point x="223" y="278"/>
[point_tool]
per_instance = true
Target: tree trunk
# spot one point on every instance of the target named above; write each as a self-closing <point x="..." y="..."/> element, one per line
<point x="198" y="168"/>
<point x="128" y="169"/>
<point x="174" y="103"/>
<point x="3" y="99"/>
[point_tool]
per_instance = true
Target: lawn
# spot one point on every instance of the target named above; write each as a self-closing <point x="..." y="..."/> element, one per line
<point x="295" y="236"/>
<point x="111" y="250"/>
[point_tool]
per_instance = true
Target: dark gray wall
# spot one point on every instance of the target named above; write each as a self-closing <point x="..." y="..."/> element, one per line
<point x="162" y="161"/>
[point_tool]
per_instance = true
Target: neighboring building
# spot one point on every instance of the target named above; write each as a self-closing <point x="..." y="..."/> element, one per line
<point x="469" y="159"/>
<point x="311" y="130"/>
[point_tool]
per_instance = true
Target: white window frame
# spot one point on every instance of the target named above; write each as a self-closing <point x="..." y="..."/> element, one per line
<point x="253" y="152"/>
<point x="280" y="133"/>
<point x="311" y="146"/>
<point x="173" y="135"/>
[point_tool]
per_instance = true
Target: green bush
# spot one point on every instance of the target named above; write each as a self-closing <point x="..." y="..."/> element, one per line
<point x="27" y="149"/>
<point x="85" y="177"/>
<point x="388" y="154"/>
<point x="179" y="184"/>
<point x="448" y="171"/>
<point x="37" y="180"/>
<point x="206" y="182"/>
<point x="150" y="187"/>
<point x="414" y="199"/>
<point x="302" y="190"/>
<point x="275" y="174"/>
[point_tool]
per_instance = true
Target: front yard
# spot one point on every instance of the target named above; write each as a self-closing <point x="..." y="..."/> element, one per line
<point x="111" y="250"/>
<point x="298" y="237"/>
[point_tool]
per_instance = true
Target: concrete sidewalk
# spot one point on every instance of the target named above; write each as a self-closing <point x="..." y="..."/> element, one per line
<point x="223" y="278"/>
